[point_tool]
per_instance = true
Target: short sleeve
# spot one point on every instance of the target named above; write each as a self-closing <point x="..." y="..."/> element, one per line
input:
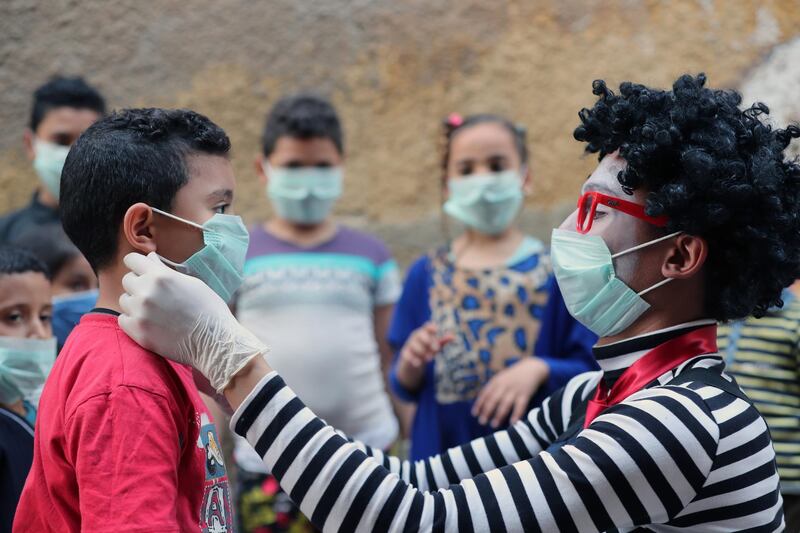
<point x="387" y="283"/>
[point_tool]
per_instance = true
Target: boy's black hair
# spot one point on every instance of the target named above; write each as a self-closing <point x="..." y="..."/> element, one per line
<point x="302" y="116"/>
<point x="454" y="123"/>
<point x="715" y="171"/>
<point x="16" y="260"/>
<point x="130" y="156"/>
<point x="64" y="92"/>
<point x="49" y="244"/>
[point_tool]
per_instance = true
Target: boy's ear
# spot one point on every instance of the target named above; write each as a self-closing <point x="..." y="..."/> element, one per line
<point x="259" y="165"/>
<point x="137" y="226"/>
<point x="27" y="140"/>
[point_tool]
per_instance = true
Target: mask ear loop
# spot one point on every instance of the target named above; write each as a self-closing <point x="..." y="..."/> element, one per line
<point x="179" y="219"/>
<point x="654" y="287"/>
<point x="646" y="244"/>
<point x="173" y="264"/>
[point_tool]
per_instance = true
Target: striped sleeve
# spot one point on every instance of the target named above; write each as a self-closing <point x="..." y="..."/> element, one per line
<point x="628" y="468"/>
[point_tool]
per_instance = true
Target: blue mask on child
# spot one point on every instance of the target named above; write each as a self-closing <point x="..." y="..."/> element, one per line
<point x="485" y="202"/>
<point x="220" y="262"/>
<point x="68" y="310"/>
<point x="304" y="195"/>
<point x="593" y="294"/>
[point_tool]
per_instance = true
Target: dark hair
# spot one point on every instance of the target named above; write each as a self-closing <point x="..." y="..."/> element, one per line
<point x="15" y="260"/>
<point x="302" y="116"/>
<point x="130" y="156"/>
<point x="64" y="92"/>
<point x="49" y="244"/>
<point x="715" y="171"/>
<point x="455" y="123"/>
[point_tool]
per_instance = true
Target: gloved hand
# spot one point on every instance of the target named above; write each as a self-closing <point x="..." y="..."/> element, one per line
<point x="179" y="317"/>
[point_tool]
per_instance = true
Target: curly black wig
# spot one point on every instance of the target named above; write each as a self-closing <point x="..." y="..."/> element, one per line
<point x="717" y="172"/>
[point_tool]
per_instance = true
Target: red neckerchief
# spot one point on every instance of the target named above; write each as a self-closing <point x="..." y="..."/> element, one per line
<point x="650" y="366"/>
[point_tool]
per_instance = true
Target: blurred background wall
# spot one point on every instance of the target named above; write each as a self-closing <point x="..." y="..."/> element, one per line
<point x="394" y="69"/>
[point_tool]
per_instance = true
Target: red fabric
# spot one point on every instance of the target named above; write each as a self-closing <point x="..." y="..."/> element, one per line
<point x="122" y="442"/>
<point x="650" y="366"/>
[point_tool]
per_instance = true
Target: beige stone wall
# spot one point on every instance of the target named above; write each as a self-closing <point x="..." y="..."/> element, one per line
<point x="392" y="67"/>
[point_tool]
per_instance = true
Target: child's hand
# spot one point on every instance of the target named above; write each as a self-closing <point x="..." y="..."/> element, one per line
<point x="423" y="344"/>
<point x="510" y="391"/>
<point x="420" y="348"/>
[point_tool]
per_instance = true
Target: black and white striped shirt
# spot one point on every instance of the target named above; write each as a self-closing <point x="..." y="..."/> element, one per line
<point x="671" y="457"/>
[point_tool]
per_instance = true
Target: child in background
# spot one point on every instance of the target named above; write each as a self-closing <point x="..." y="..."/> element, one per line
<point x="27" y="352"/>
<point x="319" y="293"/>
<point x="123" y="440"/>
<point x="71" y="273"/>
<point x="480" y="332"/>
<point x="62" y="109"/>
<point x="73" y="280"/>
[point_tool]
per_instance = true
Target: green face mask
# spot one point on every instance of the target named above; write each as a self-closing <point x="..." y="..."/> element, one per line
<point x="220" y="262"/>
<point x="48" y="163"/>
<point x="24" y="366"/>
<point x="304" y="195"/>
<point x="485" y="202"/>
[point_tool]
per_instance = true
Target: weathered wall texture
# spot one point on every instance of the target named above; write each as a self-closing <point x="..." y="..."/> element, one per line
<point x="393" y="68"/>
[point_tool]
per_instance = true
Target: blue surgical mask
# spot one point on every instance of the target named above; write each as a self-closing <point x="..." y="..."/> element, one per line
<point x="593" y="294"/>
<point x="48" y="162"/>
<point x="487" y="203"/>
<point x="304" y="195"/>
<point x="68" y="310"/>
<point x="24" y="367"/>
<point x="220" y="262"/>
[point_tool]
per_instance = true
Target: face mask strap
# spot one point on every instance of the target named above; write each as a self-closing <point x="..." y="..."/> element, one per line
<point x="179" y="219"/>
<point x="173" y="264"/>
<point x="654" y="287"/>
<point x="645" y="244"/>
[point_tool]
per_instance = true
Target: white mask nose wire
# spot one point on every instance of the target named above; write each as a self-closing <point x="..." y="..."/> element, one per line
<point x="645" y="244"/>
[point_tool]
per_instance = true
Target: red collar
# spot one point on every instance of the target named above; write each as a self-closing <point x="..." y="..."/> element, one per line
<point x="650" y="366"/>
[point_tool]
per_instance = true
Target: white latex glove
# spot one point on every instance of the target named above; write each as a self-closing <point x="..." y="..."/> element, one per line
<point x="181" y="318"/>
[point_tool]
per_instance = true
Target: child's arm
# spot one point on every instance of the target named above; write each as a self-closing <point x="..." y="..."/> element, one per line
<point x="125" y="448"/>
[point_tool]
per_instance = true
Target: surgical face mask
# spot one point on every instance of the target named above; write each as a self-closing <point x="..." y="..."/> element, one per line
<point x="485" y="202"/>
<point x="68" y="310"/>
<point x="592" y="292"/>
<point x="48" y="162"/>
<point x="220" y="262"/>
<point x="24" y="366"/>
<point x="304" y="195"/>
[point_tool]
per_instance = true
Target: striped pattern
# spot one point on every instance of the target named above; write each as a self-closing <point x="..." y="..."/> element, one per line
<point x="684" y="457"/>
<point x="764" y="356"/>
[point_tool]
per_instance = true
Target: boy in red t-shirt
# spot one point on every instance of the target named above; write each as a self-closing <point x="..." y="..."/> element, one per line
<point x="123" y="440"/>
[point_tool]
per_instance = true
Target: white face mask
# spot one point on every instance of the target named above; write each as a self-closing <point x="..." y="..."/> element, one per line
<point x="487" y="203"/>
<point x="593" y="294"/>
<point x="304" y="195"/>
<point x="24" y="366"/>
<point x="48" y="163"/>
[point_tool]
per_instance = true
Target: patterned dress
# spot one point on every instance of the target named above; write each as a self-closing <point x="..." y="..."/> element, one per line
<point x="498" y="316"/>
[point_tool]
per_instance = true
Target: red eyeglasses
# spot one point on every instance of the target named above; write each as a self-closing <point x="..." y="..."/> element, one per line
<point x="587" y="205"/>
